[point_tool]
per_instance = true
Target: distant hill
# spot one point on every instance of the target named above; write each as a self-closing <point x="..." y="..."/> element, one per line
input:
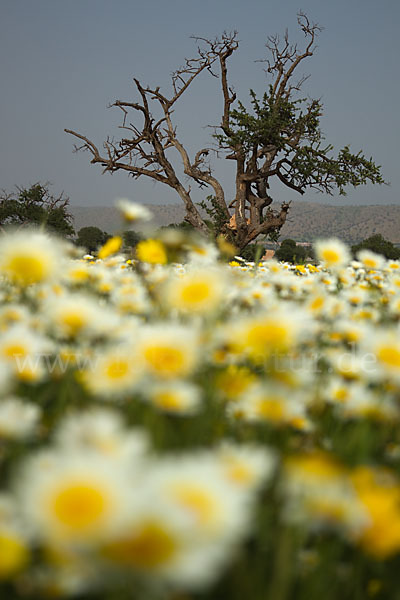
<point x="107" y="218"/>
<point x="306" y="220"/>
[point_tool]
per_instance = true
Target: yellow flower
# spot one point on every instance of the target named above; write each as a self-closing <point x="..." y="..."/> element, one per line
<point x="151" y="251"/>
<point x="149" y="546"/>
<point x="312" y="269"/>
<point x="317" y="465"/>
<point x="110" y="247"/>
<point x="13" y="554"/>
<point x="381" y="497"/>
<point x="234" y="381"/>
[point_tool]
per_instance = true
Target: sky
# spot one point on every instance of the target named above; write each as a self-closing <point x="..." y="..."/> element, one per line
<point x="62" y="62"/>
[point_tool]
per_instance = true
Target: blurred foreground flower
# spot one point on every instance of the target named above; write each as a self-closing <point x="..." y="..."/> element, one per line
<point x="133" y="212"/>
<point x="110" y="247"/>
<point x="332" y="253"/>
<point x="28" y="257"/>
<point x="151" y="251"/>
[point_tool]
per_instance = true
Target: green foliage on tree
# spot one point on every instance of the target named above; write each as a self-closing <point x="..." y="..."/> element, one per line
<point x="91" y="238"/>
<point x="377" y="243"/>
<point x="216" y="215"/>
<point x="253" y="252"/>
<point x="289" y="251"/>
<point x="36" y="206"/>
<point x="290" y="129"/>
<point x="184" y="225"/>
<point x="131" y="238"/>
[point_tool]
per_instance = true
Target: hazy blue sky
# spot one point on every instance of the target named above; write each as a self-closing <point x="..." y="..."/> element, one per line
<point x="63" y="61"/>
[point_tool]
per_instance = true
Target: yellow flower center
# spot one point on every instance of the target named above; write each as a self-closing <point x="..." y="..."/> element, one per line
<point x="26" y="269"/>
<point x="234" y="381"/>
<point x="370" y="263"/>
<point x="14" y="350"/>
<point x="165" y="360"/>
<point x="195" y="293"/>
<point x="298" y="423"/>
<point x="79" y="506"/>
<point x="365" y="314"/>
<point x="317" y="303"/>
<point x="79" y="275"/>
<point x="317" y="465"/>
<point x="341" y="394"/>
<point x="271" y="409"/>
<point x="268" y="336"/>
<point x="168" y="400"/>
<point x="117" y="369"/>
<point x="149" y="547"/>
<point x="197" y="501"/>
<point x="330" y="256"/>
<point x="73" y="322"/>
<point x="335" y="336"/>
<point x="12" y="315"/>
<point x="389" y="355"/>
<point x="199" y="250"/>
<point x="330" y="510"/>
<point x="13" y="555"/>
<point x="239" y="473"/>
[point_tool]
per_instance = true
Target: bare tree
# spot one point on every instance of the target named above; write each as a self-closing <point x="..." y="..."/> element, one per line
<point x="279" y="137"/>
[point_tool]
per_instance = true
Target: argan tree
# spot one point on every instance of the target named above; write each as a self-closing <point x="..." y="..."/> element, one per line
<point x="277" y="137"/>
<point x="36" y="206"/>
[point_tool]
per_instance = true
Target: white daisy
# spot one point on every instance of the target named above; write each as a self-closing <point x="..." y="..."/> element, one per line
<point x="175" y="397"/>
<point x="332" y="253"/>
<point x="133" y="212"/>
<point x="168" y="351"/>
<point x="18" y="419"/>
<point x="73" y="498"/>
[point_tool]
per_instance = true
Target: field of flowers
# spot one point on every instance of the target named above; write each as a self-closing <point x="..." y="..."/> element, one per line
<point x="178" y="424"/>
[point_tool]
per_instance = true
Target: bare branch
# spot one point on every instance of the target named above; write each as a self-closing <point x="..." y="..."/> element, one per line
<point x="287" y="57"/>
<point x="228" y="94"/>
